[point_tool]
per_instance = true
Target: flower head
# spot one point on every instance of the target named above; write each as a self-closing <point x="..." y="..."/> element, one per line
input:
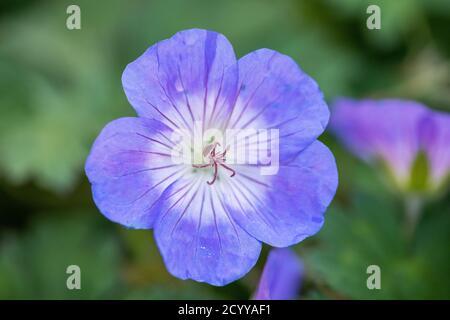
<point x="199" y="166"/>
<point x="435" y="143"/>
<point x="404" y="135"/>
<point x="282" y="276"/>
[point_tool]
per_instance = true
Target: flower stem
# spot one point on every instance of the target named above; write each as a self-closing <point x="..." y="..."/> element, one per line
<point x="413" y="210"/>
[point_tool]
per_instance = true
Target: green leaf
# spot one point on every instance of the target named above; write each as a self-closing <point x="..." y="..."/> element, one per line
<point x="399" y="19"/>
<point x="33" y="265"/>
<point x="59" y="88"/>
<point x="370" y="232"/>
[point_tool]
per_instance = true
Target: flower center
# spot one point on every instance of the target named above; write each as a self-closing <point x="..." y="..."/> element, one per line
<point x="216" y="159"/>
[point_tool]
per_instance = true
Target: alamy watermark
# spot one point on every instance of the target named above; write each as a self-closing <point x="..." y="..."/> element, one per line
<point x="374" y="20"/>
<point x="374" y="280"/>
<point x="73" y="281"/>
<point x="203" y="148"/>
<point x="73" y="21"/>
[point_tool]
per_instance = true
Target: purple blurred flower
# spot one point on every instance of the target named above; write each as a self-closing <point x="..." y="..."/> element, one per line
<point x="282" y="276"/>
<point x="395" y="132"/>
<point x="435" y="142"/>
<point x="209" y="219"/>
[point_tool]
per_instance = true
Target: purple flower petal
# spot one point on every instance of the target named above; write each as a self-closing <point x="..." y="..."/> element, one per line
<point x="129" y="167"/>
<point x="285" y="208"/>
<point x="189" y="77"/>
<point x="210" y="215"/>
<point x="381" y="130"/>
<point x="275" y="93"/>
<point x="198" y="239"/>
<point x="435" y="141"/>
<point x="281" y="277"/>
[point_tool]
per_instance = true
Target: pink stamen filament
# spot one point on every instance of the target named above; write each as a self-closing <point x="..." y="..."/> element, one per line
<point x="216" y="160"/>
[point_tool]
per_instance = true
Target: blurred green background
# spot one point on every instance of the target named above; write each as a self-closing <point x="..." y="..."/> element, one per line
<point x="58" y="88"/>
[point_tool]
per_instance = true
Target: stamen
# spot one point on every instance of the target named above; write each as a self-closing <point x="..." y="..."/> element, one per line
<point x="215" y="161"/>
<point x="201" y="165"/>
<point x="215" y="175"/>
<point x="233" y="173"/>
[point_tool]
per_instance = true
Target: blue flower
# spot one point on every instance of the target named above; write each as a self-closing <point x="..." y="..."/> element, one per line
<point x="434" y="136"/>
<point x="282" y="276"/>
<point x="396" y="132"/>
<point x="210" y="215"/>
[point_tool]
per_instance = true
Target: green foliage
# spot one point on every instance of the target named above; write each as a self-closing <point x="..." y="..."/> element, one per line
<point x="399" y="19"/>
<point x="33" y="265"/>
<point x="57" y="92"/>
<point x="370" y="232"/>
